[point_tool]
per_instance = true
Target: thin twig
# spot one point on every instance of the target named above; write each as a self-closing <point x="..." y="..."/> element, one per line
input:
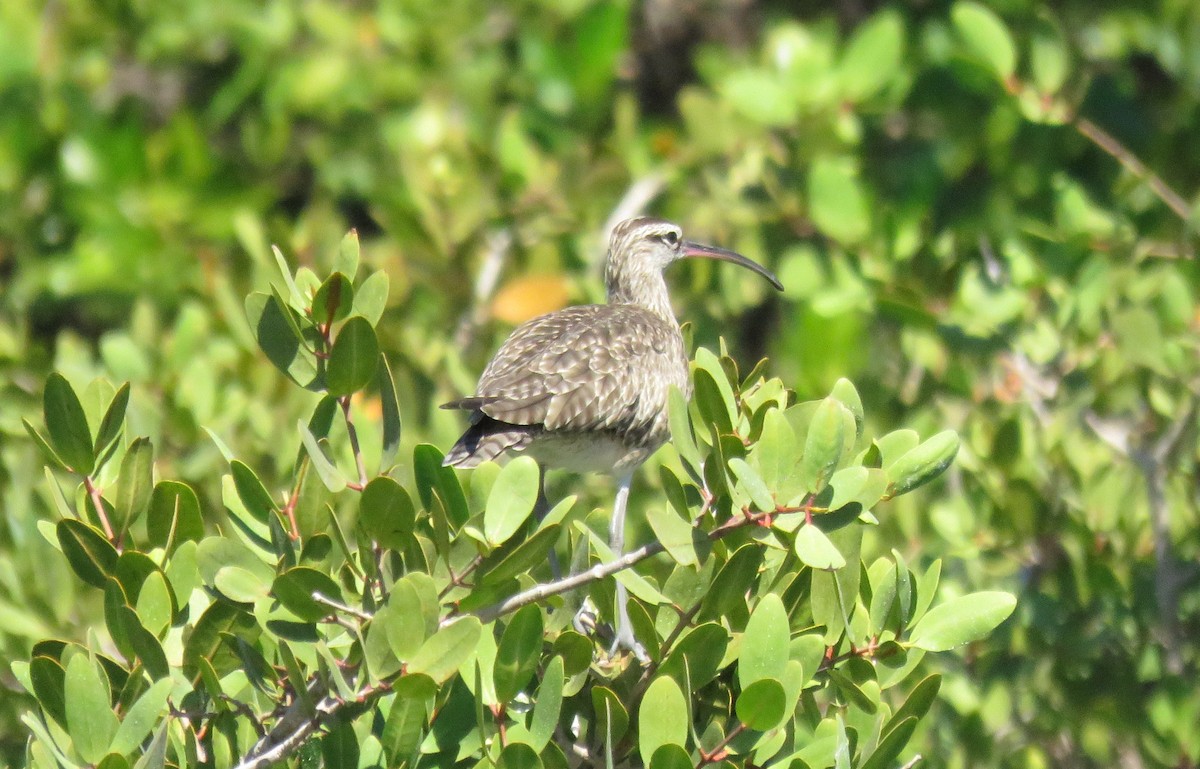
<point x="1109" y="144"/>
<point x="339" y="606"/>
<point x="98" y="503"/>
<point x="601" y="570"/>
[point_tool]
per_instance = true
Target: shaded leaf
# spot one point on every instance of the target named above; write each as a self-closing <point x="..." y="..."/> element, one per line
<point x="67" y="425"/>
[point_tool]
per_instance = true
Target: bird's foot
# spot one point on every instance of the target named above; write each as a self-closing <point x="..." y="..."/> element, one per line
<point x="626" y="640"/>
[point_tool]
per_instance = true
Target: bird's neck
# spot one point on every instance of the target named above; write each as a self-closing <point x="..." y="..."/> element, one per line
<point x="646" y="289"/>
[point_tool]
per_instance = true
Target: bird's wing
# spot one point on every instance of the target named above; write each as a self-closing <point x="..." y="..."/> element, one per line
<point x="583" y="368"/>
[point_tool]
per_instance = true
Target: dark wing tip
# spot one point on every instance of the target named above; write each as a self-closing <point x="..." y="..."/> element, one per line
<point x="470" y="403"/>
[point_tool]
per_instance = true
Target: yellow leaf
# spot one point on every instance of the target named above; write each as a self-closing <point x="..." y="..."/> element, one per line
<point x="530" y="296"/>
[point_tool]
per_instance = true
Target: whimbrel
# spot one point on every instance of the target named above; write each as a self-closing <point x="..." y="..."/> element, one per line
<point x="585" y="388"/>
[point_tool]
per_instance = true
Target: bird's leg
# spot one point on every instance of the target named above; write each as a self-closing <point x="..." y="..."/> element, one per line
<point x="541" y="508"/>
<point x="616" y="540"/>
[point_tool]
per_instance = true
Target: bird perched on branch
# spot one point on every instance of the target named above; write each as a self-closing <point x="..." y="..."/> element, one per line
<point x="585" y="388"/>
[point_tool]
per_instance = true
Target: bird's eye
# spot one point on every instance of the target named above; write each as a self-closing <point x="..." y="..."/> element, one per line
<point x="671" y="238"/>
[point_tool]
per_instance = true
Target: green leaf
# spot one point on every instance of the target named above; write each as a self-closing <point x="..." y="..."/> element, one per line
<point x="775" y="453"/>
<point x="962" y="620"/>
<point x="333" y="300"/>
<point x="762" y="705"/>
<point x="816" y="550"/>
<point x="548" y="705"/>
<point x="845" y="393"/>
<point x="511" y="500"/>
<point x="239" y="584"/>
<point x="682" y="436"/>
<point x="431" y="477"/>
<point x="91" y="721"/>
<point x="518" y="755"/>
<point x="328" y="472"/>
<point x="389" y="406"/>
<point x="985" y="37"/>
<point x="112" y="422"/>
<point x="824" y="445"/>
<point x="207" y="642"/>
<point x="922" y="464"/>
<point x="354" y="358"/>
<point x="765" y="642"/>
<point x="67" y="425"/>
<point x="48" y="452"/>
<point x="370" y="299"/>
<point x="346" y="261"/>
<point x="155" y="756"/>
<point x="405" y="621"/>
<point x="141" y="718"/>
<point x="874" y="55"/>
<point x="697" y="655"/>
<point x="277" y="330"/>
<point x="406" y="720"/>
<point x="514" y="559"/>
<point x="888" y="750"/>
<point x="135" y="484"/>
<point x="518" y="653"/>
<point x="448" y="648"/>
<point x="678" y="536"/>
<point x="252" y="492"/>
<point x="918" y="702"/>
<point x="729" y="586"/>
<point x="662" y="717"/>
<point x="837" y="201"/>
<point x="49" y="680"/>
<point x="173" y="516"/>
<point x="672" y="757"/>
<point x="612" y="719"/>
<point x="386" y="514"/>
<point x="295" y="588"/>
<point x="752" y="484"/>
<point x="92" y="557"/>
<point x="339" y="746"/>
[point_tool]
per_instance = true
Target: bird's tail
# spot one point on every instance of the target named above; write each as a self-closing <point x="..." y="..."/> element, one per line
<point x="485" y="440"/>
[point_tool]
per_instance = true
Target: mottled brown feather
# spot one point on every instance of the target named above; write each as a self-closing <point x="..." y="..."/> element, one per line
<point x="592" y="368"/>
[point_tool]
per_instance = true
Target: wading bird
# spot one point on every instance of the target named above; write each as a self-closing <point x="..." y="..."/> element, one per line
<point x="585" y="388"/>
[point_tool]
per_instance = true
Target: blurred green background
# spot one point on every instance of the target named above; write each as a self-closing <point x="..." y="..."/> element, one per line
<point x="984" y="214"/>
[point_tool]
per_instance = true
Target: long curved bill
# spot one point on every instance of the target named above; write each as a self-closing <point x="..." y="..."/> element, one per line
<point x="712" y="252"/>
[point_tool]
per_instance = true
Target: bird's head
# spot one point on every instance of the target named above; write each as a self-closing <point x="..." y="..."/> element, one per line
<point x="645" y="246"/>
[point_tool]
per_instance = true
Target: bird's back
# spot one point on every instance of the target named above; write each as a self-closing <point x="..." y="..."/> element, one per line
<point x="592" y="373"/>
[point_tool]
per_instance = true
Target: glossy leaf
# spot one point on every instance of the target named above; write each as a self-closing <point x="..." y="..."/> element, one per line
<point x="961" y="620"/>
<point x="354" y="358"/>
<point x="91" y="556"/>
<point x="922" y="464"/>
